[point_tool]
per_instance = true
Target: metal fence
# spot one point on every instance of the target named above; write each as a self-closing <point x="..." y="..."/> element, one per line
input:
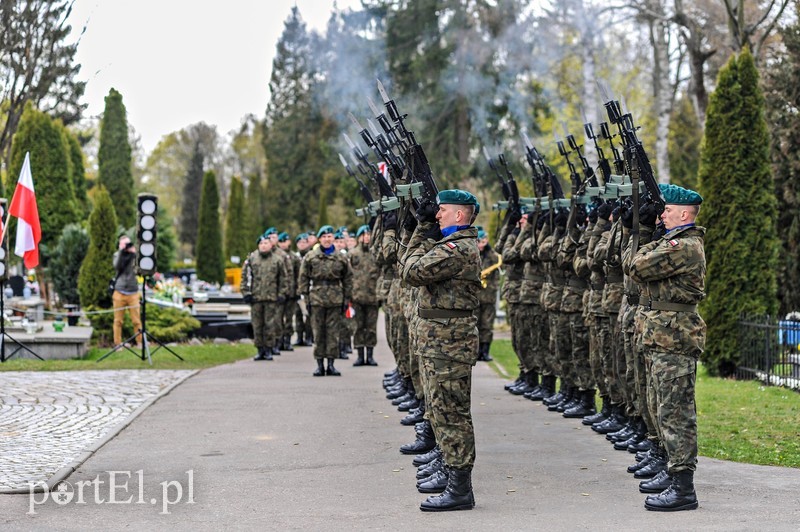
<point x="770" y="351"/>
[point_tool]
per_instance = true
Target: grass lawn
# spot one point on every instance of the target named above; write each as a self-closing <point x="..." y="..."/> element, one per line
<point x="195" y="357"/>
<point x="741" y="421"/>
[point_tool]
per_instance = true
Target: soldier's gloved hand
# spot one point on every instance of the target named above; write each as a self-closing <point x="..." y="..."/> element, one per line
<point x="659" y="232"/>
<point x="516" y="231"/>
<point x="248" y="299"/>
<point x="615" y="213"/>
<point x="390" y="220"/>
<point x="434" y="233"/>
<point x="427" y="211"/>
<point x="648" y="214"/>
<point x="561" y="218"/>
<point x="514" y="216"/>
<point x="410" y="223"/>
<point x="604" y="211"/>
<point x="626" y="215"/>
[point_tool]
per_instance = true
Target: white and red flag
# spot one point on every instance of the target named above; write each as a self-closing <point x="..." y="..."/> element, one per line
<point x="23" y="206"/>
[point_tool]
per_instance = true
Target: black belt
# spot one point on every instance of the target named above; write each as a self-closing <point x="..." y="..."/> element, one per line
<point x="325" y="282"/>
<point x="443" y="313"/>
<point x="672" y="307"/>
<point x="577" y="283"/>
<point x="614" y="278"/>
<point x="597" y="286"/>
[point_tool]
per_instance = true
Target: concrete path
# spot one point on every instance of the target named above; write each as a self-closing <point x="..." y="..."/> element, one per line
<point x="264" y="445"/>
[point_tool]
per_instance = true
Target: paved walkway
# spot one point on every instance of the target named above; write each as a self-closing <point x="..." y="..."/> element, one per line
<point x="49" y="420"/>
<point x="264" y="445"/>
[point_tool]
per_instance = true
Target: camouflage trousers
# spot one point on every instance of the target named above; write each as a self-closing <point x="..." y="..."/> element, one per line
<point x="413" y="349"/>
<point x="608" y="356"/>
<point x="348" y="329"/>
<point x="366" y="325"/>
<point x="537" y="324"/>
<point x="265" y="317"/>
<point x="596" y="354"/>
<point x="579" y="360"/>
<point x="302" y="324"/>
<point x="633" y="401"/>
<point x="670" y="398"/>
<point x="618" y="360"/>
<point x="563" y="346"/>
<point x="326" y="322"/>
<point x="521" y="335"/>
<point x="448" y="349"/>
<point x="641" y="378"/>
<point x="486" y="313"/>
<point x="289" y="308"/>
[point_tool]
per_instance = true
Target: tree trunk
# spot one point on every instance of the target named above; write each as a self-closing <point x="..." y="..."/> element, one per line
<point x="662" y="88"/>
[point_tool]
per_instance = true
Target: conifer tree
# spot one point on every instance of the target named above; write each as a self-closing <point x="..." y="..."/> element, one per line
<point x="50" y="164"/>
<point x="166" y="242"/>
<point x="97" y="268"/>
<point x="684" y="137"/>
<point x="114" y="159"/>
<point x="78" y="175"/>
<point x="783" y="101"/>
<point x="192" y="189"/>
<point x="256" y="209"/>
<point x="739" y="212"/>
<point x="237" y="242"/>
<point x="66" y="262"/>
<point x="210" y="261"/>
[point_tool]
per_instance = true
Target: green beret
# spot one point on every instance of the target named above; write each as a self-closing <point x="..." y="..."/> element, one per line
<point x="260" y="238"/>
<point x="343" y="229"/>
<point x="338" y="235"/>
<point x="675" y="195"/>
<point x="481" y="233"/>
<point x="361" y="230"/>
<point x="301" y="236"/>
<point x="456" y="197"/>
<point x="270" y="231"/>
<point x="283" y="237"/>
<point x="325" y="230"/>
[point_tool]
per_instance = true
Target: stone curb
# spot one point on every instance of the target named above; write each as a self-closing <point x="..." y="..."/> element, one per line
<point x="62" y="474"/>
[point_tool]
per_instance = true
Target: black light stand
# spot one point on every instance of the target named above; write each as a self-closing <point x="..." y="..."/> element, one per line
<point x="4" y="334"/>
<point x="146" y="353"/>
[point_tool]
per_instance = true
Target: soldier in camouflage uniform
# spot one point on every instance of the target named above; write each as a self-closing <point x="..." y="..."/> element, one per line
<point x="273" y="235"/>
<point x="290" y="306"/>
<point x="490" y="282"/>
<point x="265" y="286"/>
<point x="348" y="326"/>
<point x="444" y="263"/>
<point x="326" y="282"/>
<point x="365" y="299"/>
<point x="672" y="269"/>
<point x="302" y="321"/>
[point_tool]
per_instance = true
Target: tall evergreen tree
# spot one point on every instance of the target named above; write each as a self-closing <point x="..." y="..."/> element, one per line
<point x="210" y="261"/>
<point x="166" y="242"/>
<point x="739" y="212"/>
<point x="78" y="174"/>
<point x="237" y="242"/>
<point x="50" y="163"/>
<point x="192" y="189"/>
<point x="256" y="208"/>
<point x="114" y="159"/>
<point x="783" y="101"/>
<point x="66" y="261"/>
<point x="685" y="135"/>
<point x="97" y="267"/>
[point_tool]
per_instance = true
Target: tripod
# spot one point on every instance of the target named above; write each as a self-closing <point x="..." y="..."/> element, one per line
<point x="145" y="337"/>
<point x="4" y="334"/>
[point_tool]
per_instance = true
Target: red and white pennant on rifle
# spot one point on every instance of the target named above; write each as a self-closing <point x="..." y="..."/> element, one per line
<point x="23" y="207"/>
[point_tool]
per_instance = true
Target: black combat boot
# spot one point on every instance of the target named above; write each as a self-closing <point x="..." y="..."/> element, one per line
<point x="343" y="351"/>
<point x="517" y="382"/>
<point x="571" y="400"/>
<point x="391" y="373"/>
<point x="425" y="441"/>
<point x="657" y="463"/>
<point x="546" y="389"/>
<point x="639" y="433"/>
<point x="409" y="405"/>
<point x="276" y="347"/>
<point x="370" y="360"/>
<point x="565" y="398"/>
<point x="348" y="346"/>
<point x="436" y="482"/>
<point x="287" y="343"/>
<point x="680" y="495"/>
<point x="622" y="434"/>
<point x="657" y="484"/>
<point x="556" y="397"/>
<point x="410" y="394"/>
<point x="309" y="340"/>
<point x="602" y="415"/>
<point x="585" y="406"/>
<point x="320" y="371"/>
<point x="299" y="341"/>
<point x="484" y="352"/>
<point x="529" y="382"/>
<point x="398" y="390"/>
<point x="260" y="355"/>
<point x="427" y="458"/>
<point x="614" y="423"/>
<point x="649" y="456"/>
<point x="331" y="370"/>
<point x="360" y="357"/>
<point x="426" y="470"/>
<point x="644" y="445"/>
<point x="457" y="495"/>
<point x="415" y="415"/>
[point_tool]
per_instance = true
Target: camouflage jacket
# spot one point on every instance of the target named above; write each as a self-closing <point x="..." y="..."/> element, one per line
<point x="489" y="258"/>
<point x="597" y="277"/>
<point x="287" y="259"/>
<point x="265" y="277"/>
<point x="514" y="267"/>
<point x="572" y="297"/>
<point x="383" y="248"/>
<point x="533" y="273"/>
<point x="325" y="280"/>
<point x="365" y="276"/>
<point x="447" y="271"/>
<point x="672" y="269"/>
<point x="553" y="287"/>
<point x="607" y="253"/>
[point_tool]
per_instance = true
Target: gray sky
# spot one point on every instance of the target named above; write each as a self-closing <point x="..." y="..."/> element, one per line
<point x="178" y="62"/>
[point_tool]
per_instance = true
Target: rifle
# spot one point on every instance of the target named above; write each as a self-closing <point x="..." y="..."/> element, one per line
<point x="416" y="160"/>
<point x="364" y="190"/>
<point x="383" y="186"/>
<point x="574" y="179"/>
<point x="510" y="182"/>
